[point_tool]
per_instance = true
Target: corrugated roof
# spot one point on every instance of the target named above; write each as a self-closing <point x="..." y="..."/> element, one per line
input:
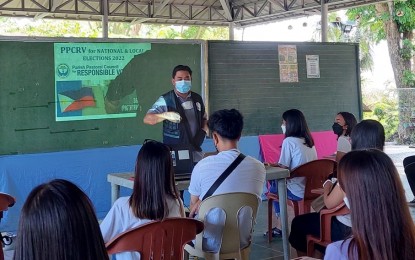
<point x="200" y="12"/>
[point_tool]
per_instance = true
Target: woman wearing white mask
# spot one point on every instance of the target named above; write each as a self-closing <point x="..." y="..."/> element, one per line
<point x="297" y="149"/>
<point x="344" y="122"/>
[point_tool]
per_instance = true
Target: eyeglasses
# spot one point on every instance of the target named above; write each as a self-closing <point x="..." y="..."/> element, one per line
<point x="156" y="142"/>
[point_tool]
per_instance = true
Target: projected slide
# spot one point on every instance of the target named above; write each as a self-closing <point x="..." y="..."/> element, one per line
<point x="83" y="72"/>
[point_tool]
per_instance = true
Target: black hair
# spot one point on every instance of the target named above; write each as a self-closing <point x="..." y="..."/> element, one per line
<point x="350" y="121"/>
<point x="382" y="227"/>
<point x="367" y="134"/>
<point x="179" y="68"/>
<point x="228" y="123"/>
<point x="296" y="126"/>
<point x="59" y="222"/>
<point x="153" y="182"/>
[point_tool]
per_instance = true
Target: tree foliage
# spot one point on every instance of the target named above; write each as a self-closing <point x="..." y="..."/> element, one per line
<point x="156" y="31"/>
<point x="384" y="108"/>
<point x="369" y="22"/>
<point x="360" y="35"/>
<point x="50" y="28"/>
<point x="394" y="22"/>
<point x="378" y="20"/>
<point x="406" y="21"/>
<point x="92" y="29"/>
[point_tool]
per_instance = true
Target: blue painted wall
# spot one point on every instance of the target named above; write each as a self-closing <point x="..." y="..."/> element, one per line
<point x="19" y="174"/>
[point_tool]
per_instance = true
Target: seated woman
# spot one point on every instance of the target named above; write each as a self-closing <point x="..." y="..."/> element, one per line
<point x="344" y="122"/>
<point x="154" y="196"/>
<point x="382" y="225"/>
<point x="366" y="134"/>
<point x="297" y="149"/>
<point x="58" y="222"/>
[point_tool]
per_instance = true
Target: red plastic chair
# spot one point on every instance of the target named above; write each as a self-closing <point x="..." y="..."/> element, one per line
<point x="325" y="227"/>
<point x="316" y="173"/>
<point x="6" y="201"/>
<point x="157" y="240"/>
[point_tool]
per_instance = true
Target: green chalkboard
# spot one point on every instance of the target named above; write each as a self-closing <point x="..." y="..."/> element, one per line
<point x="247" y="76"/>
<point x="28" y="102"/>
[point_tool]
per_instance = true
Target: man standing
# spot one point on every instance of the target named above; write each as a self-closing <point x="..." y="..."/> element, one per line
<point x="192" y="127"/>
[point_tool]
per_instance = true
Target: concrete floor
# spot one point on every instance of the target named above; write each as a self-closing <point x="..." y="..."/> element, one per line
<point x="261" y="249"/>
<point x="398" y="153"/>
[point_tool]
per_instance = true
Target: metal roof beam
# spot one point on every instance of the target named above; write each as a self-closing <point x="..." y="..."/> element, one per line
<point x="262" y="7"/>
<point x="227" y="9"/>
<point x="40" y="16"/>
<point x="161" y="7"/>
<point x="180" y="11"/>
<point x="5" y="3"/>
<point x="98" y="11"/>
<point x="39" y="5"/>
<point x="212" y="12"/>
<point x="291" y="4"/>
<point x="277" y="3"/>
<point x="58" y="7"/>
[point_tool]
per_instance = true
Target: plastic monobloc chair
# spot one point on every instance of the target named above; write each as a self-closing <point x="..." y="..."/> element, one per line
<point x="316" y="173"/>
<point x="325" y="227"/>
<point x="158" y="239"/>
<point x="231" y="204"/>
<point x="6" y="201"/>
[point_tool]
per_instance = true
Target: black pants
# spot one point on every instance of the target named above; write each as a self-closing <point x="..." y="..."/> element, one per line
<point x="411" y="180"/>
<point x="309" y="224"/>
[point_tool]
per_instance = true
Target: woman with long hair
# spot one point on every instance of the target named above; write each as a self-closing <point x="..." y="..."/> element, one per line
<point x="366" y="134"/>
<point x="382" y="225"/>
<point x="59" y="222"/>
<point x="297" y="149"/>
<point x="154" y="196"/>
<point x="344" y="122"/>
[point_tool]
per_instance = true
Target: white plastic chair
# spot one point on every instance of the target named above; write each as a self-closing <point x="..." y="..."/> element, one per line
<point x="230" y="206"/>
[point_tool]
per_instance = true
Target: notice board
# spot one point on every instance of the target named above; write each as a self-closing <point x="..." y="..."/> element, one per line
<point x="247" y="76"/>
<point x="78" y="94"/>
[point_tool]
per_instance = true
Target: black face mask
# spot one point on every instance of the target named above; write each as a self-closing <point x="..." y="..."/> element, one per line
<point x="337" y="129"/>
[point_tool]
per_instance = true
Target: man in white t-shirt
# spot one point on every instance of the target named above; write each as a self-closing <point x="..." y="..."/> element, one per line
<point x="249" y="176"/>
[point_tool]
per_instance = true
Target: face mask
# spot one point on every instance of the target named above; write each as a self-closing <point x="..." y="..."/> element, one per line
<point x="183" y="86"/>
<point x="346" y="201"/>
<point x="337" y="129"/>
<point x="283" y="128"/>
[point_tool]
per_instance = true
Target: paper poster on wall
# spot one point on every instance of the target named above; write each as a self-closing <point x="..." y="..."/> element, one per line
<point x="83" y="72"/>
<point x="313" y="66"/>
<point x="287" y="58"/>
<point x="287" y="54"/>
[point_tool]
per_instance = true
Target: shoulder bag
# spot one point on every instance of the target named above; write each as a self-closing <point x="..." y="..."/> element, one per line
<point x="224" y="175"/>
<point x="318" y="203"/>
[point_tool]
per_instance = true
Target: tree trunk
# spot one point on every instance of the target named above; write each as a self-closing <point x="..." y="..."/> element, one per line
<point x="393" y="38"/>
<point x="399" y="65"/>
